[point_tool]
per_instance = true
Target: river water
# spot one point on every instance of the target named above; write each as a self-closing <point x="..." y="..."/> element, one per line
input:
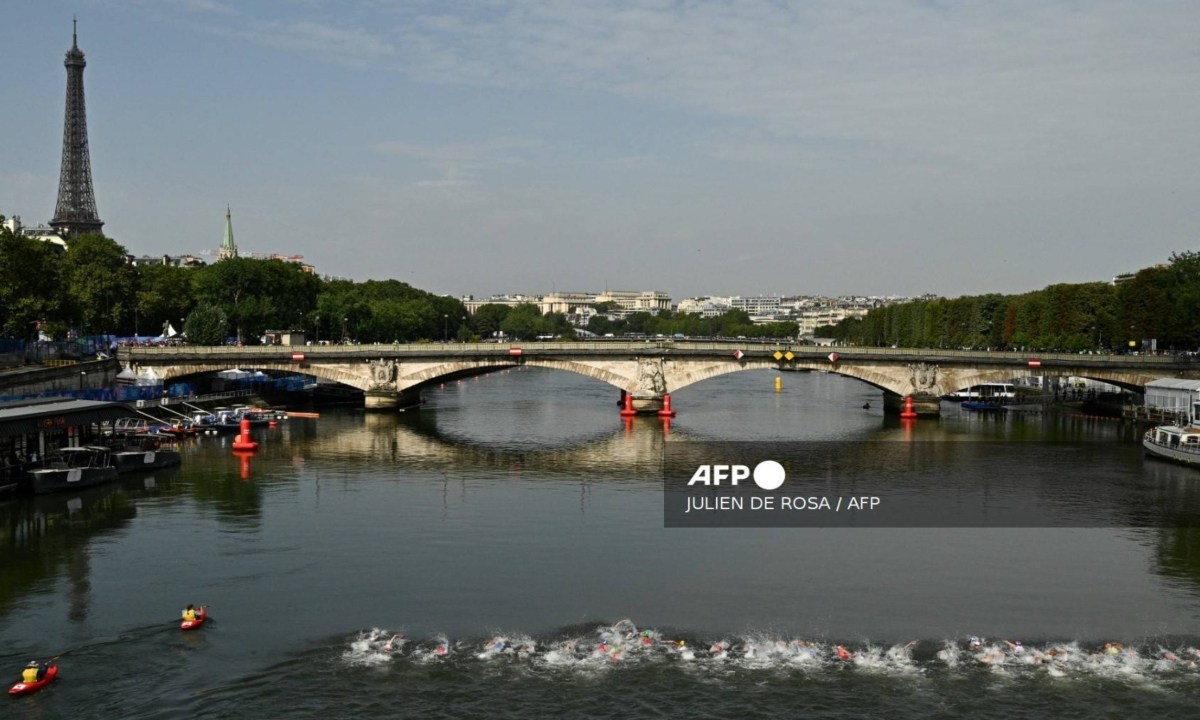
<point x="512" y="531"/>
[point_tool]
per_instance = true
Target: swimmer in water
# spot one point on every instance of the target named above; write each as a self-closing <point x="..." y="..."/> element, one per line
<point x="842" y="653"/>
<point x="902" y="653"/>
<point x="974" y="643"/>
<point x="393" y="643"/>
<point x="1015" y="647"/>
<point x="647" y="639"/>
<point x="442" y="650"/>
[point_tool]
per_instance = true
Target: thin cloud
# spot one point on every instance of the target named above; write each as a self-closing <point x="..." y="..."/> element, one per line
<point x="205" y="6"/>
<point x="962" y="82"/>
<point x="458" y="162"/>
<point x="347" y="45"/>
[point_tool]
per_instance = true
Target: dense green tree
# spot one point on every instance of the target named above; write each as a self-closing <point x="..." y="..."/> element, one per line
<point x="600" y="325"/>
<point x="524" y="322"/>
<point x="258" y="295"/>
<point x="100" y="284"/>
<point x="30" y="284"/>
<point x="558" y="325"/>
<point x="164" y="294"/>
<point x="489" y="317"/>
<point x="207" y="324"/>
<point x="1144" y="304"/>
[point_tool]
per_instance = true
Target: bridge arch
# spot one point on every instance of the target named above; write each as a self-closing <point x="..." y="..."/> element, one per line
<point x="410" y="377"/>
<point x="332" y="373"/>
<point x="1132" y="381"/>
<point x="683" y="377"/>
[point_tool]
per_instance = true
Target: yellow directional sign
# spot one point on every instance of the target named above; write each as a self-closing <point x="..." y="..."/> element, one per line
<point x="778" y="355"/>
<point x="789" y="355"/>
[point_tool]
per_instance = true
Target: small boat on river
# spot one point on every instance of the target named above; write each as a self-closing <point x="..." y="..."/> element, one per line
<point x="201" y="616"/>
<point x="1171" y="442"/>
<point x="144" y="452"/>
<point x="71" y="468"/>
<point x="135" y="425"/>
<point x="25" y="688"/>
<point x="983" y="405"/>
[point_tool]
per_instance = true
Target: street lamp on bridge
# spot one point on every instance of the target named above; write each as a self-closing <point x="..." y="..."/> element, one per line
<point x="445" y="327"/>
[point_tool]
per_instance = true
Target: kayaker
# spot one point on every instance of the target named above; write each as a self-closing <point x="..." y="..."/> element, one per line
<point x="34" y="671"/>
<point x="191" y="614"/>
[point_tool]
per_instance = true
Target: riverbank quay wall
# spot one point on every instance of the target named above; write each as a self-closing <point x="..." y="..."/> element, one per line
<point x="91" y="375"/>
<point x="391" y="374"/>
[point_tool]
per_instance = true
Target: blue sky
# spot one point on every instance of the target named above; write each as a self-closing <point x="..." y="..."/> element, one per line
<point x="694" y="147"/>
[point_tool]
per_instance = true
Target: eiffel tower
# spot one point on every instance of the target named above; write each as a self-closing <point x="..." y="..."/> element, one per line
<point x="75" y="213"/>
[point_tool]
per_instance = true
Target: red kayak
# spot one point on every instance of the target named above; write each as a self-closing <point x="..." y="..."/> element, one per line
<point x="201" y="616"/>
<point x="24" y="688"/>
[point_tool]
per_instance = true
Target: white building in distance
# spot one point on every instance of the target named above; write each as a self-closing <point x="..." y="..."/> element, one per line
<point x="578" y="303"/>
<point x="45" y="233"/>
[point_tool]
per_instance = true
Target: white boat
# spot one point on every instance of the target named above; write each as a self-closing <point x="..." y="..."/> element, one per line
<point x="985" y="392"/>
<point x="71" y="468"/>
<point x="144" y="452"/>
<point x="1172" y="442"/>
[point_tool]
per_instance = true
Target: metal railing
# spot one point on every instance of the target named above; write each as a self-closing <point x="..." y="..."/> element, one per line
<point x="753" y="349"/>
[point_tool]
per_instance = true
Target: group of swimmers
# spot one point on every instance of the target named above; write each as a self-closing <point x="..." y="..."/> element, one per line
<point x="623" y="640"/>
<point x="1013" y="650"/>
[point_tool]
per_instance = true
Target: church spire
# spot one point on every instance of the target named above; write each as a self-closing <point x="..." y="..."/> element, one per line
<point x="228" y="247"/>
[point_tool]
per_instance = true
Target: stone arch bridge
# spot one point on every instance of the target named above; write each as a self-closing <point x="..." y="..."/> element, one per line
<point x="393" y="374"/>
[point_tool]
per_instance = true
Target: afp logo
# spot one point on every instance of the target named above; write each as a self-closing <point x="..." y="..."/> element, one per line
<point x="768" y="475"/>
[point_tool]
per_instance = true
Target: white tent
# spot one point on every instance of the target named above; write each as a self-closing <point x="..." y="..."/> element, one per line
<point x="149" y="378"/>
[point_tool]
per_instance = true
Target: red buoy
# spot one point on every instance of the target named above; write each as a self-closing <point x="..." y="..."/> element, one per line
<point x="666" y="411"/>
<point x="243" y="441"/>
<point x="628" y="410"/>
<point x="908" y="413"/>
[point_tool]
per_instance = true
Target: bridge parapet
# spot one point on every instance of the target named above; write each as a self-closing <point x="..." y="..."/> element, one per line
<point x="610" y="349"/>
